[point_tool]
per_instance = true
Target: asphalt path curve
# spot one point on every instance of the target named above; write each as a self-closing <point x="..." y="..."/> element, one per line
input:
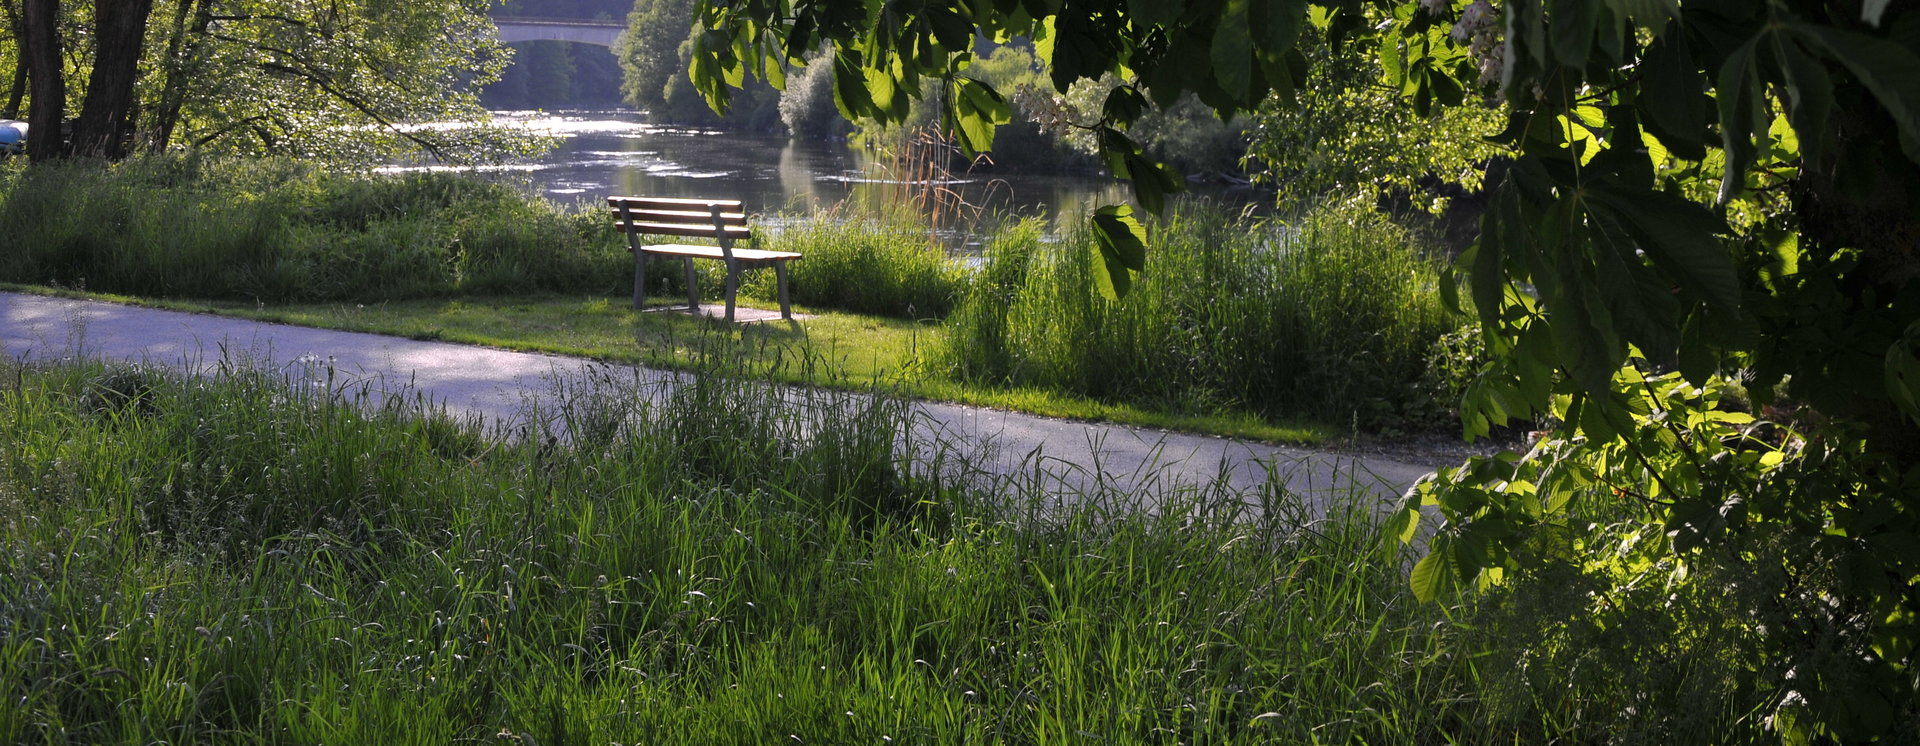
<point x="500" y="388"/>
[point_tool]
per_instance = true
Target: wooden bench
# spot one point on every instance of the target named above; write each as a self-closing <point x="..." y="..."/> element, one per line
<point x="718" y="219"/>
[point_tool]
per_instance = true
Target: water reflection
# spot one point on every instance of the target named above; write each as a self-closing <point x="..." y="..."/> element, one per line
<point x="607" y="153"/>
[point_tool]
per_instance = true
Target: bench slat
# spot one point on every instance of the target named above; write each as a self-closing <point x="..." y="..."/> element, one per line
<point x="680" y="229"/>
<point x="679" y="216"/>
<point x="675" y="203"/>
<point x="713" y="252"/>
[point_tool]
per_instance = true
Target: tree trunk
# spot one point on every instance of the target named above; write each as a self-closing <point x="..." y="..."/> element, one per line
<point x="120" y="30"/>
<point x="183" y="48"/>
<point x="19" y="89"/>
<point x="40" y="46"/>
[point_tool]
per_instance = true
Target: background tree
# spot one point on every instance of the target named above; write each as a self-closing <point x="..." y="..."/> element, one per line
<point x="1707" y="203"/>
<point x="40" y="47"/>
<point x="105" y="126"/>
<point x="649" y="51"/>
<point x="1347" y="130"/>
<point x="290" y="76"/>
<point x="14" y="30"/>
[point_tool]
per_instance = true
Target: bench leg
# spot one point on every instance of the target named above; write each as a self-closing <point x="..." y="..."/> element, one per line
<point x="786" y="305"/>
<point x="639" y="280"/>
<point x="693" y="288"/>
<point x="733" y="286"/>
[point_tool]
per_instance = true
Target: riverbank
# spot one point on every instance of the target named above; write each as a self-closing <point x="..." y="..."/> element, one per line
<point x="1321" y="332"/>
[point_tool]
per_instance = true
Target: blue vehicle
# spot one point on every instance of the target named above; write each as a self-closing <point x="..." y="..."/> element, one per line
<point x="13" y="136"/>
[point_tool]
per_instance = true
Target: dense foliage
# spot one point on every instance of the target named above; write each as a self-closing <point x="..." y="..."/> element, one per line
<point x="1705" y="206"/>
<point x="1346" y="132"/>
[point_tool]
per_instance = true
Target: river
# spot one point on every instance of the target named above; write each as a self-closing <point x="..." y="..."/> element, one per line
<point x="604" y="153"/>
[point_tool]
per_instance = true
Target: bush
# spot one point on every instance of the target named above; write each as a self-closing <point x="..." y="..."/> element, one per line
<point x="807" y="107"/>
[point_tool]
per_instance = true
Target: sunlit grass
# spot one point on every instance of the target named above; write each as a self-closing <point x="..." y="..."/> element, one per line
<point x="826" y="348"/>
<point x="254" y="558"/>
<point x="225" y="561"/>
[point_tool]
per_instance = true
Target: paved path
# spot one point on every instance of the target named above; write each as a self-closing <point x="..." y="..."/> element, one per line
<point x="495" y="385"/>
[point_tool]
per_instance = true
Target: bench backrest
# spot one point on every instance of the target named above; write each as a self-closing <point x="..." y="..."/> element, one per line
<point x="721" y="219"/>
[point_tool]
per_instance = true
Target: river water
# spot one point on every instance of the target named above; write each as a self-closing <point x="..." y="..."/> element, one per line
<point x="606" y="153"/>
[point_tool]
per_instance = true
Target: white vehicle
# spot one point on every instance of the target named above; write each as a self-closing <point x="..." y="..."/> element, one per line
<point x="13" y="136"/>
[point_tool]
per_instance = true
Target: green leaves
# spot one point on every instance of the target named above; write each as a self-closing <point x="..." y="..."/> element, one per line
<point x="1741" y="115"/>
<point x="1891" y="71"/>
<point x="977" y="109"/>
<point x="1123" y="248"/>
<point x="1673" y="94"/>
<point x="1903" y="372"/>
<point x="1232" y="52"/>
<point x="850" y="94"/>
<point x="1679" y="236"/>
<point x="1435" y="572"/>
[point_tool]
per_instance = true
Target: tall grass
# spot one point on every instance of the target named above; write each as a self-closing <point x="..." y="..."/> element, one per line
<point x="867" y="264"/>
<point x="1331" y="317"/>
<point x="277" y="230"/>
<point x="235" y="559"/>
<point x="225" y="561"/>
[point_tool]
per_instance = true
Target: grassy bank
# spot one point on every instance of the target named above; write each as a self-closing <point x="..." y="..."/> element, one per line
<point x="1290" y="333"/>
<point x="280" y="230"/>
<point x="224" y="561"/>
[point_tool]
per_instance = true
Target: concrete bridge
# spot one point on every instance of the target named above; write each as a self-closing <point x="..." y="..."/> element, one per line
<point x="602" y="33"/>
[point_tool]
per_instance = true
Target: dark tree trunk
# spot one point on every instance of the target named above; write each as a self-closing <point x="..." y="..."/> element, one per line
<point x="120" y="29"/>
<point x="19" y="89"/>
<point x="18" y="92"/>
<point x="40" y="46"/>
